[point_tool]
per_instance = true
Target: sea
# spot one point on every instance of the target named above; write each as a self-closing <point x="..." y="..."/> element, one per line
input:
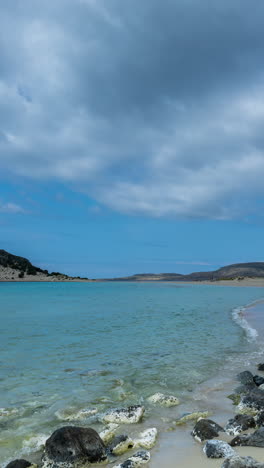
<point x="71" y="351"/>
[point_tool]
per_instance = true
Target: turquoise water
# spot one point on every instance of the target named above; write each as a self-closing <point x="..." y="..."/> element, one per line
<point x="87" y="345"/>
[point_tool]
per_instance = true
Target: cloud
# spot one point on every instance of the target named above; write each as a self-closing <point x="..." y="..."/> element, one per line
<point x="11" y="208"/>
<point x="151" y="108"/>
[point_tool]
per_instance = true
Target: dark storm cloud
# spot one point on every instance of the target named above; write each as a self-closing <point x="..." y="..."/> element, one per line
<point x="150" y="107"/>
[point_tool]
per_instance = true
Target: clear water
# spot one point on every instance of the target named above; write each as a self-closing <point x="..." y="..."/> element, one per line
<point x="86" y="345"/>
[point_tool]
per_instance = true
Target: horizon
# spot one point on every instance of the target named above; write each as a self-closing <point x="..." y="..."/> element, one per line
<point x="131" y="136"/>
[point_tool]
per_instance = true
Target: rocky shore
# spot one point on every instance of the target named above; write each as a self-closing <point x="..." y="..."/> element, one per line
<point x="76" y="447"/>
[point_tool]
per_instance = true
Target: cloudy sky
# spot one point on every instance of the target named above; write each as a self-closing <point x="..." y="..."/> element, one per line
<point x="132" y="134"/>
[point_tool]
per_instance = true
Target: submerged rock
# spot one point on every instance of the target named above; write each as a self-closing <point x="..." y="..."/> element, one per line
<point x="191" y="417"/>
<point x="108" y="433"/>
<point x="73" y="446"/>
<point x="241" y="462"/>
<point x="19" y="463"/>
<point x="240" y="423"/>
<point x="130" y="415"/>
<point x="206" y="429"/>
<point x="138" y="459"/>
<point x="261" y="367"/>
<point x="251" y="440"/>
<point x="147" y="438"/>
<point x="72" y="414"/>
<point x="245" y="377"/>
<point x="258" y="380"/>
<point x="164" y="400"/>
<point x="218" y="449"/>
<point x="120" y="445"/>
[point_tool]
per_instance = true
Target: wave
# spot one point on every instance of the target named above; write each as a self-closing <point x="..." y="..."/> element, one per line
<point x="239" y="319"/>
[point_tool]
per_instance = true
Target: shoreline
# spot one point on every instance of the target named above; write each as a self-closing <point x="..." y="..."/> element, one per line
<point x="178" y="448"/>
<point x="246" y="282"/>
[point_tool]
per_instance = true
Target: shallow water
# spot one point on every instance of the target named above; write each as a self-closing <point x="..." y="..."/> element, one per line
<point x="69" y="346"/>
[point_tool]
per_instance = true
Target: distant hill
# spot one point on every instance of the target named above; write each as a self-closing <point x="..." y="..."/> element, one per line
<point x="13" y="267"/>
<point x="237" y="270"/>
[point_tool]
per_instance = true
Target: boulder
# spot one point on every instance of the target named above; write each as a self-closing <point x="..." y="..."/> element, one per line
<point x="130" y="415"/>
<point x="73" y="446"/>
<point x="120" y="445"/>
<point x="258" y="380"/>
<point x="241" y="462"/>
<point x="136" y="460"/>
<point x="147" y="438"/>
<point x="164" y="400"/>
<point x="261" y="387"/>
<point x="240" y="423"/>
<point x="261" y="367"/>
<point x="218" y="449"/>
<point x="253" y="400"/>
<point x="245" y="377"/>
<point x="19" y="463"/>
<point x="251" y="440"/>
<point x="206" y="429"/>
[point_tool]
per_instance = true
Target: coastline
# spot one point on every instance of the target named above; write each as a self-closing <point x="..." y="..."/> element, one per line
<point x="178" y="447"/>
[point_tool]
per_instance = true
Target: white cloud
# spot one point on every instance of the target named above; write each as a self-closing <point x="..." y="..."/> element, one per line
<point x="11" y="208"/>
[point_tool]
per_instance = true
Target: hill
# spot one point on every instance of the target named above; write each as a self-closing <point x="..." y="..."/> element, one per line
<point x="238" y="270"/>
<point x="15" y="268"/>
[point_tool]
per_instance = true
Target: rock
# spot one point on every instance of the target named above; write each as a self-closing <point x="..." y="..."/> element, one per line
<point x="108" y="433"/>
<point x="71" y="447"/>
<point x="254" y="400"/>
<point x="147" y="438"/>
<point x="250" y="440"/>
<point x="138" y="459"/>
<point x="164" y="400"/>
<point x="245" y="377"/>
<point x="258" y="380"/>
<point x="241" y="462"/>
<point x="191" y="417"/>
<point x="206" y="429"/>
<point x="120" y="445"/>
<point x="240" y="423"/>
<point x="261" y="387"/>
<point x="261" y="367"/>
<point x="130" y="415"/>
<point x="19" y="463"/>
<point x="260" y="419"/>
<point x="218" y="449"/>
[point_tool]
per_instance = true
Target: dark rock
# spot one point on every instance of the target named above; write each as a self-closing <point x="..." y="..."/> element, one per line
<point x="250" y="440"/>
<point x="206" y="429"/>
<point x="241" y="462"/>
<point x="240" y="423"/>
<point x="260" y="419"/>
<point x="261" y="367"/>
<point x="258" y="380"/>
<point x="19" y="463"/>
<point x="74" y="445"/>
<point x="254" y="399"/>
<point x="245" y="377"/>
<point x="218" y="449"/>
<point x="245" y="388"/>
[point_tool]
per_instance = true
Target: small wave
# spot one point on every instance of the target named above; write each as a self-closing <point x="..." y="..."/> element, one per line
<point x="34" y="443"/>
<point x="238" y="317"/>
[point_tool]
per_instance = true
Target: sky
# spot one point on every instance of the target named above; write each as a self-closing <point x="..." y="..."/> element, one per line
<point x="132" y="134"/>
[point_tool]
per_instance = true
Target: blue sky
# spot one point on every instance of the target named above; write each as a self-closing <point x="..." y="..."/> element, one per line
<point x="131" y="134"/>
